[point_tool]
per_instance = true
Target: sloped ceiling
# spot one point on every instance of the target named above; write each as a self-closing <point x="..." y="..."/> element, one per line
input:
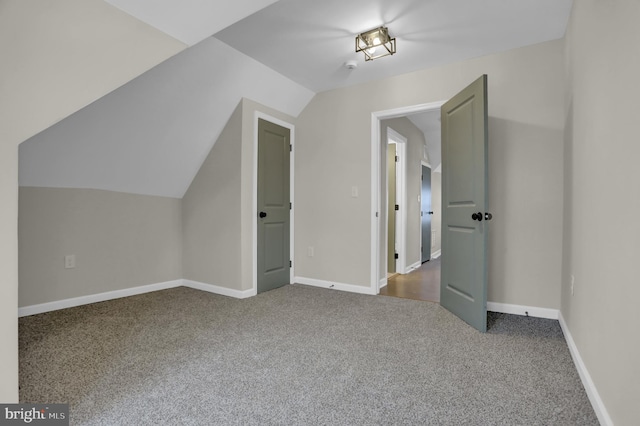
<point x="190" y="21"/>
<point x="58" y="56"/>
<point x="429" y="124"/>
<point x="151" y="135"/>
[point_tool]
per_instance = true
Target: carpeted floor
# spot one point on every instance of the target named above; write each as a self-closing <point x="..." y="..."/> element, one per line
<point x="296" y="356"/>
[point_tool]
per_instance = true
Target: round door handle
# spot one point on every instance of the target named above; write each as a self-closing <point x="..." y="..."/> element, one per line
<point x="262" y="215"/>
<point x="488" y="216"/>
<point x="477" y="216"/>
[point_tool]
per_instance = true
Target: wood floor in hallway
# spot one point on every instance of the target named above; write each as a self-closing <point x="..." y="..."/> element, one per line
<point x="421" y="284"/>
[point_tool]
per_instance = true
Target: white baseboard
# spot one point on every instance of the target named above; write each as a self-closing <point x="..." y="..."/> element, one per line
<point x="334" y="285"/>
<point x="530" y="311"/>
<point x="94" y="298"/>
<point x="224" y="291"/>
<point x="436" y="254"/>
<point x="413" y="267"/>
<point x="587" y="382"/>
<point x="383" y="282"/>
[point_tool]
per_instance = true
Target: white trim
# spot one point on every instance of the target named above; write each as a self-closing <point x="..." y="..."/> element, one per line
<point x="94" y="298"/>
<point x="375" y="206"/>
<point x="413" y="267"/>
<point x="587" y="382"/>
<point x="224" y="291"/>
<point x="436" y="254"/>
<point x="254" y="224"/>
<point x="383" y="283"/>
<point x="375" y="181"/>
<point x="530" y="311"/>
<point x="351" y="288"/>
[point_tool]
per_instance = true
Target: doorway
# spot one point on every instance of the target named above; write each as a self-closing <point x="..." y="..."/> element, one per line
<point x="379" y="260"/>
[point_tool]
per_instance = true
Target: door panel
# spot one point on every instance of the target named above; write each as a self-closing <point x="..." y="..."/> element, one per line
<point x="425" y="216"/>
<point x="273" y="206"/>
<point x="463" y="288"/>
<point x="276" y="258"/>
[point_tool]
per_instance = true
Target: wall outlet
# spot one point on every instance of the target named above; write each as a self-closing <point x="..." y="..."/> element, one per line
<point x="310" y="251"/>
<point x="573" y="281"/>
<point x="70" y="261"/>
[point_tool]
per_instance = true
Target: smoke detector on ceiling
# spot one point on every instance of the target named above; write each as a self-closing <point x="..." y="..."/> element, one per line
<point x="351" y="65"/>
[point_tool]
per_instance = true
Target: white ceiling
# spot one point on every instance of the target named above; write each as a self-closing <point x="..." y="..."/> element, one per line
<point x="309" y="41"/>
<point x="151" y="135"/>
<point x="429" y="124"/>
<point x="189" y="21"/>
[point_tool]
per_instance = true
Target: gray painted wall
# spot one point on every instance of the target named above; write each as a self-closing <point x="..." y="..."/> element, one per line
<point x="602" y="199"/>
<point x="119" y="240"/>
<point x="211" y="213"/>
<point x="525" y="149"/>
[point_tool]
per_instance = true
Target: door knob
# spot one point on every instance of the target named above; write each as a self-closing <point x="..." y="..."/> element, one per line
<point x="477" y="216"/>
<point x="488" y="216"/>
<point x="430" y="212"/>
<point x="262" y="215"/>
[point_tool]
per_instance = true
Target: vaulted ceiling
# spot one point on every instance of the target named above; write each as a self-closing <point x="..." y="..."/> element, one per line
<point x="151" y="135"/>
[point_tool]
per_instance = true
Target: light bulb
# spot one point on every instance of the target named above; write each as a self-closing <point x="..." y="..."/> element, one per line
<point x="372" y="50"/>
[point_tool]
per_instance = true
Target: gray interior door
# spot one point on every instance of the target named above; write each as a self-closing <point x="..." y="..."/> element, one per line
<point x="463" y="288"/>
<point x="426" y="213"/>
<point x="273" y="206"/>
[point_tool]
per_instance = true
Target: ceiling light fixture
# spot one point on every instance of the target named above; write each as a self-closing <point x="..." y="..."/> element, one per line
<point x="375" y="43"/>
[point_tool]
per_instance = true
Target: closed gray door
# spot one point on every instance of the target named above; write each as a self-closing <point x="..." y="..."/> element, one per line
<point x="463" y="288"/>
<point x="273" y="206"/>
<point x="425" y="213"/>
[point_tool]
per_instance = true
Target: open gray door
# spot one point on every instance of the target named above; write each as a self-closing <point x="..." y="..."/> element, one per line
<point x="463" y="288"/>
<point x="273" y="206"/>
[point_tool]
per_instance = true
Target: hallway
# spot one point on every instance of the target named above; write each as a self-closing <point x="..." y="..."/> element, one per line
<point x="421" y="284"/>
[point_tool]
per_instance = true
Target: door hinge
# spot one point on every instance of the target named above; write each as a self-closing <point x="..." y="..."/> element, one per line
<point x="396" y="158"/>
<point x="397" y="207"/>
<point x="290" y="147"/>
<point x="376" y="214"/>
<point x="395" y="256"/>
<point x="289" y="264"/>
<point x="289" y="206"/>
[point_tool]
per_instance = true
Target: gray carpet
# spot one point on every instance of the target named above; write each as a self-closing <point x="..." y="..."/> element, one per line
<point x="296" y="356"/>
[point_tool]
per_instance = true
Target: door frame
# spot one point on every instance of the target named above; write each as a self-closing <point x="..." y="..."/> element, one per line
<point x="401" y="195"/>
<point x="377" y="196"/>
<point x="254" y="223"/>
